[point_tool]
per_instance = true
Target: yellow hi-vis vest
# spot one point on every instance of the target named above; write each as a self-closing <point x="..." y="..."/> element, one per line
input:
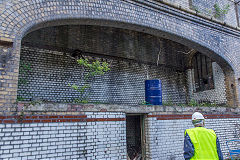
<point x="204" y="142"/>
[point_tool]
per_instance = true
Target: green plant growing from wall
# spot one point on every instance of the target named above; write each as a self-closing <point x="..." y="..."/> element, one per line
<point x="195" y="8"/>
<point x="220" y="12"/>
<point x="24" y="70"/>
<point x="207" y="104"/>
<point x="193" y="103"/>
<point x="144" y="103"/>
<point x="208" y="12"/>
<point x="217" y="11"/>
<point x="82" y="92"/>
<point x="169" y="102"/>
<point x="92" y="69"/>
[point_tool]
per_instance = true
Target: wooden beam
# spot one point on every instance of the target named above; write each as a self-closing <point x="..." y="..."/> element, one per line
<point x="6" y="43"/>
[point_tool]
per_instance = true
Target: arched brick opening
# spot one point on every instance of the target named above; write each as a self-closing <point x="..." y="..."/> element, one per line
<point x="115" y="14"/>
<point x="225" y="67"/>
<point x="134" y="57"/>
<point x="26" y="16"/>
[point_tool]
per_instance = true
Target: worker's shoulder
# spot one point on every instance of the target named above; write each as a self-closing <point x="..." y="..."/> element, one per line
<point x="188" y="130"/>
<point x="206" y="129"/>
<point x="211" y="130"/>
<point x="200" y="128"/>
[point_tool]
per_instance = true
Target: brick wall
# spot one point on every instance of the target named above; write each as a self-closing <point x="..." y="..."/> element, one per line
<point x="99" y="131"/>
<point x="213" y="38"/>
<point x="90" y="135"/>
<point x="128" y="55"/>
<point x="216" y="95"/>
<point x="9" y="60"/>
<point x="207" y="8"/>
<point x="182" y="3"/>
<point x="165" y="136"/>
<point x="52" y="71"/>
<point x="136" y="46"/>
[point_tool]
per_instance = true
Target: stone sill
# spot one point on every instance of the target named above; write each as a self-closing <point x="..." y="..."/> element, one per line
<point x="138" y="109"/>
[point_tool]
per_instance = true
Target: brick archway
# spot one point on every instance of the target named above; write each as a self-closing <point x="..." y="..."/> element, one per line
<point x="20" y="18"/>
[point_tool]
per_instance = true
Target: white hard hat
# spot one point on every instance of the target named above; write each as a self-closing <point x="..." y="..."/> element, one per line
<point x="197" y="115"/>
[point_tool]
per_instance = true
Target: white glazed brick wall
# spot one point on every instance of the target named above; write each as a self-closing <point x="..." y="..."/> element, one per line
<point x="102" y="140"/>
<point x="42" y="141"/>
<point x="226" y="129"/>
<point x="165" y="138"/>
<point x="217" y="95"/>
<point x="65" y="141"/>
<point x="106" y="139"/>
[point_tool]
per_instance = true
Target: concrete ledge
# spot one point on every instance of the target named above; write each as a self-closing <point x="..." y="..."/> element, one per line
<point x="139" y="109"/>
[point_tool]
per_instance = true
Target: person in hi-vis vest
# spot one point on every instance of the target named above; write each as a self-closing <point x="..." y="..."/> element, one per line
<point x="201" y="143"/>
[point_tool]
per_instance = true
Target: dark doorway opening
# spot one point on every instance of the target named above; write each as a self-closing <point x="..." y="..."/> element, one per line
<point x="135" y="136"/>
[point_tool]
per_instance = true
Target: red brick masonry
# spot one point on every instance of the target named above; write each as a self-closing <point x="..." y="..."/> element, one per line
<point x="52" y="118"/>
<point x="189" y="116"/>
